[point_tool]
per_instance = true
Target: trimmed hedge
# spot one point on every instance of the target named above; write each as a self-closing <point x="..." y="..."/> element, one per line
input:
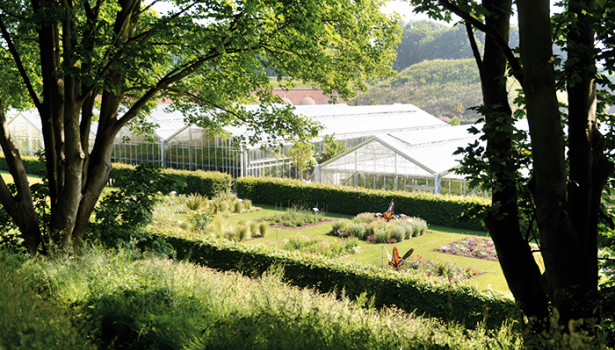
<point x="208" y="183"/>
<point x="424" y="295"/>
<point x="450" y="211"/>
<point x="32" y="164"/>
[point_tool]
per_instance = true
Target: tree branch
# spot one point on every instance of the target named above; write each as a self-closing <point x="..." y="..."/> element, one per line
<point x="474" y="46"/>
<point x="20" y="67"/>
<point x="517" y="70"/>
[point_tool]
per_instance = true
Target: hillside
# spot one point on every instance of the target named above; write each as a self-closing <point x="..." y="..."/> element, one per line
<point x="440" y="87"/>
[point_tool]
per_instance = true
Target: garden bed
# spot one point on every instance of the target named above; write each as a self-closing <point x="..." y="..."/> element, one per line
<point x="473" y="247"/>
<point x="375" y="228"/>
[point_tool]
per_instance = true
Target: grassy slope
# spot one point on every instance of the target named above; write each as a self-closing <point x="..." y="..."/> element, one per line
<point x="373" y="254"/>
<point x="123" y="301"/>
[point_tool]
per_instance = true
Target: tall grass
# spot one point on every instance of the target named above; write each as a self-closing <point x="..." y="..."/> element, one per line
<point x="158" y="303"/>
<point x="26" y="320"/>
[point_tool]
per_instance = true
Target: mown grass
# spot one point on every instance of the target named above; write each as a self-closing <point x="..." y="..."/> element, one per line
<point x="31" y="178"/>
<point x="149" y="302"/>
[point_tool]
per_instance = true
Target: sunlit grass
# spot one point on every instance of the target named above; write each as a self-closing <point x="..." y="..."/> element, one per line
<point x="9" y="179"/>
<point x="158" y="303"/>
<point x="374" y="254"/>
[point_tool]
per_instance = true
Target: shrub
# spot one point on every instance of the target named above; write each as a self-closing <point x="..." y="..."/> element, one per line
<point x="450" y="211"/>
<point x="365" y="225"/>
<point x="357" y="229"/>
<point x="398" y="232"/>
<point x="196" y="201"/>
<point x="380" y="235"/>
<point x="409" y="291"/>
<point x="295" y="217"/>
<point x="123" y="213"/>
<point x="243" y="232"/>
<point x="263" y="227"/>
<point x="254" y="231"/>
<point x="237" y="207"/>
<point x="207" y="183"/>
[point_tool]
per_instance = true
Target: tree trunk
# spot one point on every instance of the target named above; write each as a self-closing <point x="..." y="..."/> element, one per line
<point x="569" y="267"/>
<point x="19" y="206"/>
<point x="514" y="254"/>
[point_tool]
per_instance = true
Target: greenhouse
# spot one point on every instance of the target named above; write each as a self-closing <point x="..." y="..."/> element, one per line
<point x="179" y="145"/>
<point x="413" y="160"/>
<point x="26" y="131"/>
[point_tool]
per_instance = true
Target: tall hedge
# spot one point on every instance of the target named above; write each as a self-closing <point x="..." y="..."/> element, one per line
<point x="425" y="295"/>
<point x="450" y="211"/>
<point x="207" y="183"/>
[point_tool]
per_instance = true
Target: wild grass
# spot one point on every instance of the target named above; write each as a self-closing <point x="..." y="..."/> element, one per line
<point x="121" y="302"/>
<point x="28" y="321"/>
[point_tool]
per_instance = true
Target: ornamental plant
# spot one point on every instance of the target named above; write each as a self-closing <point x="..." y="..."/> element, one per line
<point x="372" y="227"/>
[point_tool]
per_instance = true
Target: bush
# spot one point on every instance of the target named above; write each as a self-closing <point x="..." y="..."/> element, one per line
<point x="208" y="183"/>
<point x="357" y="229"/>
<point x="373" y="228"/>
<point x="410" y="292"/>
<point x="263" y="227"/>
<point x="123" y="213"/>
<point x="450" y="211"/>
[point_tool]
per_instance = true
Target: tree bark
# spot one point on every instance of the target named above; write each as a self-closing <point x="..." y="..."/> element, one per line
<point x="514" y="254"/>
<point x="19" y="206"/>
<point x="569" y="267"/>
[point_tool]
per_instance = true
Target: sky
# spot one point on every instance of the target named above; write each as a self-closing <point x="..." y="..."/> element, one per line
<point x="404" y="9"/>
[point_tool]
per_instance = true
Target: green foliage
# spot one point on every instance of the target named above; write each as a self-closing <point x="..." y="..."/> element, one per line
<point x="123" y="213"/>
<point x="332" y="147"/>
<point x="200" y="220"/>
<point x="373" y="228"/>
<point x="327" y="248"/>
<point x="450" y="211"/>
<point x="295" y="217"/>
<point x="29" y="321"/>
<point x="207" y="183"/>
<point x="263" y="228"/>
<point x="412" y="291"/>
<point x="433" y="86"/>
<point x="32" y="164"/>
<point x="150" y="303"/>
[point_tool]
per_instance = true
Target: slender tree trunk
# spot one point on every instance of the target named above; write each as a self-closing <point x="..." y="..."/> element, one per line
<point x="19" y="206"/>
<point x="514" y="254"/>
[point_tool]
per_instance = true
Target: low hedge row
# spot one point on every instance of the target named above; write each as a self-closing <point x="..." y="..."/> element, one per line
<point x="450" y="211"/>
<point x="424" y="295"/>
<point x="207" y="183"/>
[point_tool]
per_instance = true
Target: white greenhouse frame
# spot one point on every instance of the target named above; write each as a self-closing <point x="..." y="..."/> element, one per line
<point x="184" y="146"/>
<point x="416" y="161"/>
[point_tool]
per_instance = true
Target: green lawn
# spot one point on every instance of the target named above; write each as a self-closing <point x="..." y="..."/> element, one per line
<point x="9" y="179"/>
<point x="374" y="254"/>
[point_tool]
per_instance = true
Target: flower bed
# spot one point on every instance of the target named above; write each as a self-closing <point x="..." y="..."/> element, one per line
<point x="294" y="217"/>
<point x="374" y="228"/>
<point x="329" y="249"/>
<point x="473" y="247"/>
<point x="451" y="271"/>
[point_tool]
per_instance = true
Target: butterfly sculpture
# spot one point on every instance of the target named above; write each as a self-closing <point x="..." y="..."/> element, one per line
<point x="396" y="262"/>
<point x="387" y="215"/>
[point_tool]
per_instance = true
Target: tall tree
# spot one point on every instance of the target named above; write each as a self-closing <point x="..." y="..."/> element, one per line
<point x="568" y="174"/>
<point x="104" y="63"/>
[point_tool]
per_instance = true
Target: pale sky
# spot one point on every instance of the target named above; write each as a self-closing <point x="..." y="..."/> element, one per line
<point x="404" y="9"/>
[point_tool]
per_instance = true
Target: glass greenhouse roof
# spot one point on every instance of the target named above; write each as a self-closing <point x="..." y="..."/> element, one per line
<point x="422" y="152"/>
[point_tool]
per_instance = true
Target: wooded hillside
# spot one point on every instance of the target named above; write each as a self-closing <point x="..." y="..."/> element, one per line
<point x="440" y="87"/>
